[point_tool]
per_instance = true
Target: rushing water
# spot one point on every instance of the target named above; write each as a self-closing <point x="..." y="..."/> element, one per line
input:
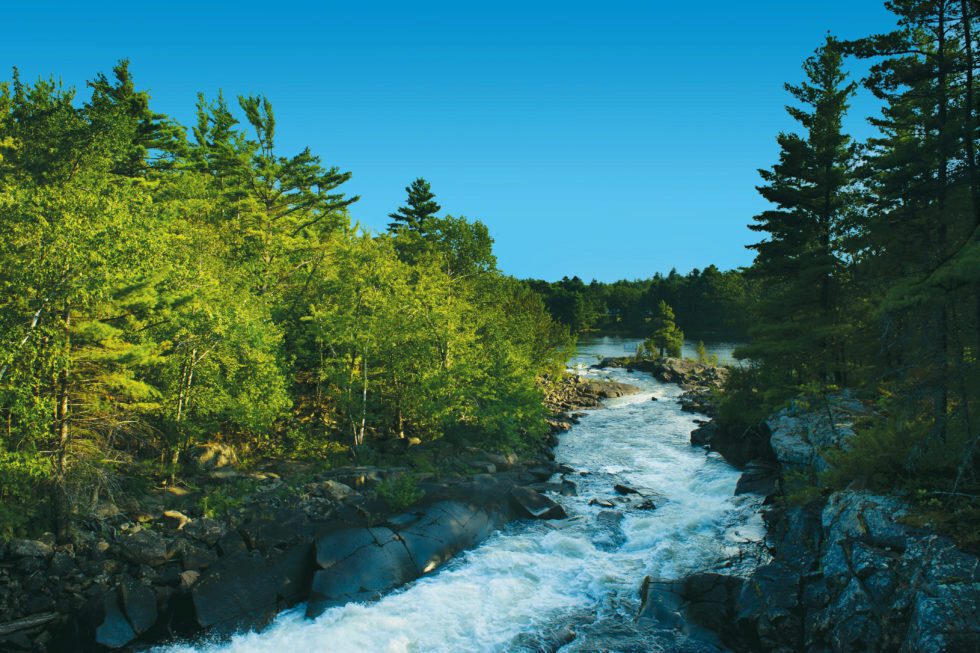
<point x="534" y="580"/>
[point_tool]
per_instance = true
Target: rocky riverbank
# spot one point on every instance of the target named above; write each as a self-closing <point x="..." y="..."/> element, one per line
<point x="700" y="381"/>
<point x="845" y="573"/>
<point x="157" y="568"/>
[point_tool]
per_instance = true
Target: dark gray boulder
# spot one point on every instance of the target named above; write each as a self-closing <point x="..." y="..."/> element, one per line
<point x="759" y="477"/>
<point x="360" y="567"/>
<point x="537" y="505"/>
<point x="442" y="530"/>
<point x="147" y="547"/>
<point x="139" y="603"/>
<point x="238" y="590"/>
<point x="112" y="629"/>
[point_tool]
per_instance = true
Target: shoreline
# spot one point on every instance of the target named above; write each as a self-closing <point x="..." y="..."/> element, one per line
<point x="144" y="575"/>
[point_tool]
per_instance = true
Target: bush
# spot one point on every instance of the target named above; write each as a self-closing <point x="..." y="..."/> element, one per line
<point x="400" y="491"/>
<point x="23" y="497"/>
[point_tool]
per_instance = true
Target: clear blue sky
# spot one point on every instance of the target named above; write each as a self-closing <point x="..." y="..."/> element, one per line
<point x="601" y="139"/>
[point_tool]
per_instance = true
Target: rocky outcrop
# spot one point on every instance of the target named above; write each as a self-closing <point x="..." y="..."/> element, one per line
<point x="363" y="563"/>
<point x="127" y="583"/>
<point x="851" y="577"/>
<point x="700" y="380"/>
<point x="572" y="392"/>
<point x="844" y="573"/>
<point x="738" y="445"/>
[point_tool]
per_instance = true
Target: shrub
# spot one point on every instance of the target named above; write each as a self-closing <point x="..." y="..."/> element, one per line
<point x="400" y="491"/>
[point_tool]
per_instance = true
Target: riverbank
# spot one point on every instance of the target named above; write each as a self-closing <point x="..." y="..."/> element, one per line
<point x="640" y="501"/>
<point x="159" y="567"/>
<point x="847" y="571"/>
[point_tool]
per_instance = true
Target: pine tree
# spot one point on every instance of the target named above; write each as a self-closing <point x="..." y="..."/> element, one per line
<point x="419" y="209"/>
<point x="667" y="338"/>
<point x="920" y="242"/>
<point x="798" y="326"/>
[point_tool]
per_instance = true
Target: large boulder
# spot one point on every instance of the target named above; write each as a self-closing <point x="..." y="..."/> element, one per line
<point x="759" y="477"/>
<point x="211" y="456"/>
<point x="147" y="547"/>
<point x="442" y="530"/>
<point x="246" y="589"/>
<point x="139" y="603"/>
<point x="30" y="549"/>
<point x="800" y="433"/>
<point x="358" y="565"/>
<point x="106" y="617"/>
<point x="537" y="505"/>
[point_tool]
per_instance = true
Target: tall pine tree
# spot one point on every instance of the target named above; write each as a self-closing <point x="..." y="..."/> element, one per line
<point x="798" y="327"/>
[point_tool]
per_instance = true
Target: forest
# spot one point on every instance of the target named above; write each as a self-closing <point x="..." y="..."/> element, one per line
<point x="868" y="264"/>
<point x="708" y="304"/>
<point x="164" y="285"/>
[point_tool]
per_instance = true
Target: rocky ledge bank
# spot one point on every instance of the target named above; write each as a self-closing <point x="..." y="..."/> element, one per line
<point x="843" y="572"/>
<point x="139" y="573"/>
<point x="700" y="381"/>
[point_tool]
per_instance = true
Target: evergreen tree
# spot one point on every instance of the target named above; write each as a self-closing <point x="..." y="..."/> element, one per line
<point x="798" y="326"/>
<point x="667" y="339"/>
<point x="419" y="209"/>
<point x="920" y="243"/>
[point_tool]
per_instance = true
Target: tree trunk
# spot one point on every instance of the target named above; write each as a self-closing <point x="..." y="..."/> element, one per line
<point x="966" y="20"/>
<point x="62" y="434"/>
<point x="941" y="397"/>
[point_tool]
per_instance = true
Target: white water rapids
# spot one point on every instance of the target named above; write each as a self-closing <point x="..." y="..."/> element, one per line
<point x="534" y="578"/>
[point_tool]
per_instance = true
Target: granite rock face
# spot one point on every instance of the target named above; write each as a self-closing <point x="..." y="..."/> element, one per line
<point x="845" y="573"/>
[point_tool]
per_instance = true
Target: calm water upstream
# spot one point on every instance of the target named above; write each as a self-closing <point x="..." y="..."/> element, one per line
<point x="535" y="579"/>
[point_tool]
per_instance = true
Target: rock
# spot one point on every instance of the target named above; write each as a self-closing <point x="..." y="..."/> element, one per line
<point x="237" y="591"/>
<point x="285" y="527"/>
<point x="30" y="549"/>
<point x="373" y="560"/>
<point x="29" y="622"/>
<point x="801" y="432"/>
<point x="292" y="572"/>
<point x="188" y="578"/>
<point x="536" y="504"/>
<point x="62" y="564"/>
<point x="205" y="530"/>
<point x="197" y="558"/>
<point x="176" y="519"/>
<point x="602" y="503"/>
<point x="624" y="489"/>
<point x="333" y="490"/>
<point x="112" y="629"/>
<point x="232" y="543"/>
<point x="210" y="456"/>
<point x="146" y="547"/>
<point x="139" y="603"/>
<point x="710" y="602"/>
<point x="759" y="477"/>
<point x="442" y="530"/>
<point x="704" y="434"/>
<point x="106" y="510"/>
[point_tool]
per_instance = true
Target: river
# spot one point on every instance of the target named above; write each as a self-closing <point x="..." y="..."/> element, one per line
<point x="535" y="583"/>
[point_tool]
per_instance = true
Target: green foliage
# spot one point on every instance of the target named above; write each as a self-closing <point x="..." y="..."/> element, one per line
<point x="667" y="339"/>
<point x="22" y="477"/>
<point x="227" y="499"/>
<point x="157" y="291"/>
<point x="707" y="302"/>
<point x="703" y="355"/>
<point x="399" y="491"/>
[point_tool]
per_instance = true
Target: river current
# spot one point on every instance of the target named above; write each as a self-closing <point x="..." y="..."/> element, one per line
<point x="571" y="585"/>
